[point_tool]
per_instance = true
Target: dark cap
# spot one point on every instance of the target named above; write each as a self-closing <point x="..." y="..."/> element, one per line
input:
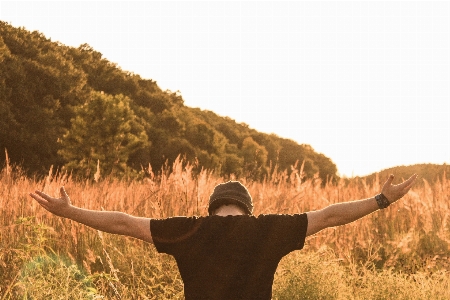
<point x="231" y="190"/>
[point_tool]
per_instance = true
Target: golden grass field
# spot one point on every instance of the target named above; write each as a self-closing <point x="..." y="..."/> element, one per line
<point x="398" y="253"/>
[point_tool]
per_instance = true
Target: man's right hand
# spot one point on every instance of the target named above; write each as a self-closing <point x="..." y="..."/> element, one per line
<point x="58" y="206"/>
<point x="107" y="221"/>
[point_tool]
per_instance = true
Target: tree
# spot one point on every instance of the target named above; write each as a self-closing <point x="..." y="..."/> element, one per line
<point x="232" y="165"/>
<point x="201" y="135"/>
<point x="38" y="86"/>
<point x="44" y="92"/>
<point x="104" y="129"/>
<point x="6" y="116"/>
<point x="255" y="157"/>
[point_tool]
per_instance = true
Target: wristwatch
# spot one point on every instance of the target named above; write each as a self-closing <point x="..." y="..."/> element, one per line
<point x="382" y="201"/>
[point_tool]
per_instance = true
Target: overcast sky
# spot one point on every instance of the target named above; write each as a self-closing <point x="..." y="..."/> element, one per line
<point x="365" y="83"/>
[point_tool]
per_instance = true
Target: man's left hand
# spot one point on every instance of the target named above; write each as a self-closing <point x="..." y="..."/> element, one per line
<point x="395" y="192"/>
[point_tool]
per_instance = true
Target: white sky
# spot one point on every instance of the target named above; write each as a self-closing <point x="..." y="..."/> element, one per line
<point x="365" y="83"/>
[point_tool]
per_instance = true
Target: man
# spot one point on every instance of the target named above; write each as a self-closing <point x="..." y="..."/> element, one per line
<point x="229" y="254"/>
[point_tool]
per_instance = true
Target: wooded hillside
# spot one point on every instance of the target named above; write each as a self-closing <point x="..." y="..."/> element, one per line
<point x="430" y="172"/>
<point x="72" y="108"/>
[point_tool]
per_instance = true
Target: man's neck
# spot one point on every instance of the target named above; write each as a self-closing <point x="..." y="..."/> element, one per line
<point x="229" y="210"/>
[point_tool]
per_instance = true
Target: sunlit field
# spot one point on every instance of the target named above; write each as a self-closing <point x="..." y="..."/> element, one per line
<point x="398" y="253"/>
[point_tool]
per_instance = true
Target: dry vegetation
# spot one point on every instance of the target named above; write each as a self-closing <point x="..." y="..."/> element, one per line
<point x="399" y="253"/>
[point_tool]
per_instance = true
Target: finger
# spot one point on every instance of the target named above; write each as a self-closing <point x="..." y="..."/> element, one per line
<point x="34" y="196"/>
<point x="39" y="199"/>
<point x="42" y="202"/>
<point x="43" y="195"/>
<point x="407" y="182"/>
<point x="411" y="181"/>
<point x="44" y="206"/>
<point x="63" y="193"/>
<point x="389" y="180"/>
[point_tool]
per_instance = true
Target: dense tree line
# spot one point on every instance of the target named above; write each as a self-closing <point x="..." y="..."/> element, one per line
<point x="71" y="108"/>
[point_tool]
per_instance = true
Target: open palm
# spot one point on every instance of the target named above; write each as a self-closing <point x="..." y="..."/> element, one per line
<point x="57" y="206"/>
<point x="395" y="192"/>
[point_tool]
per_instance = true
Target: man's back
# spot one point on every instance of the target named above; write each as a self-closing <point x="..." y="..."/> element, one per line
<point x="232" y="257"/>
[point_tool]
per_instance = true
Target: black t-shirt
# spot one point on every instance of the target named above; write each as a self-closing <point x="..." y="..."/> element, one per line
<point x="232" y="257"/>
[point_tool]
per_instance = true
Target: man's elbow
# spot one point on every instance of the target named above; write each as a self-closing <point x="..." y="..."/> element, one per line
<point x="328" y="218"/>
<point x="317" y="221"/>
<point x="135" y="227"/>
<point x="121" y="224"/>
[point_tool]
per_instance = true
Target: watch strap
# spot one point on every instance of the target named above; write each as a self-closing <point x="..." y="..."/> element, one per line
<point x="382" y="201"/>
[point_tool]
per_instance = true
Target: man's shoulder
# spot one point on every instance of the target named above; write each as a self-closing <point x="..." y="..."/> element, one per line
<point x="281" y="216"/>
<point x="197" y="221"/>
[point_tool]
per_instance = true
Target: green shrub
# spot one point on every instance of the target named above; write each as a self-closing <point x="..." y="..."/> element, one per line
<point x="47" y="277"/>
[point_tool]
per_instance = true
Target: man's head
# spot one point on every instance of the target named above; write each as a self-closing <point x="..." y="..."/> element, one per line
<point x="231" y="192"/>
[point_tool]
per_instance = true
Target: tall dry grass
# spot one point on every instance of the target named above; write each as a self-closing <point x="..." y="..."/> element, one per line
<point x="403" y="249"/>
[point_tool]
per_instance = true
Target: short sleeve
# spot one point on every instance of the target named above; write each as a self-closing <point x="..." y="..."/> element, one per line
<point x="284" y="233"/>
<point x="169" y="235"/>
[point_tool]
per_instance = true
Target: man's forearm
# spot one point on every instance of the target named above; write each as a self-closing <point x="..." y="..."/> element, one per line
<point x="347" y="212"/>
<point x="107" y="221"/>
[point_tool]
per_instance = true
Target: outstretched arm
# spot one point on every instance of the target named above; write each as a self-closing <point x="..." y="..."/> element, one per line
<point x="107" y="221"/>
<point x="347" y="212"/>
